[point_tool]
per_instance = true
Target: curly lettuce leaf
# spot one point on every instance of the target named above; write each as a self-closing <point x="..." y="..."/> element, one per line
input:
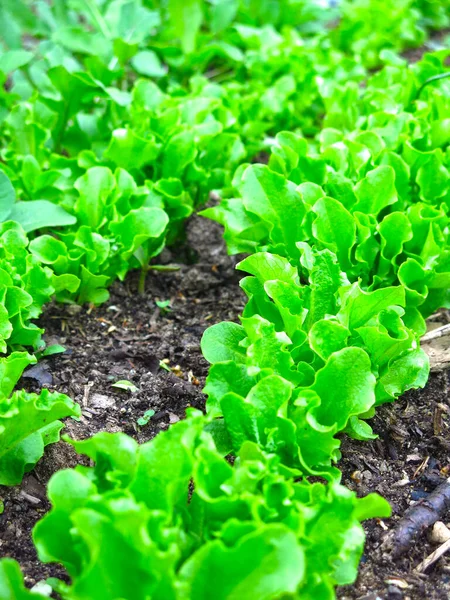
<point x="28" y="422"/>
<point x="254" y="525"/>
<point x="12" y="585"/>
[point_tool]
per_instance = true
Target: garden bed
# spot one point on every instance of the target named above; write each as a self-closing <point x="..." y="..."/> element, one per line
<point x="122" y="179"/>
<point x="126" y="338"/>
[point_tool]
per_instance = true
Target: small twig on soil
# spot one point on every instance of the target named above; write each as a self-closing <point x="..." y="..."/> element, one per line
<point x="29" y="498"/>
<point x="433" y="557"/>
<point x="87" y="391"/>
<point x="418" y="518"/>
<point x="142" y="278"/>
<point x="436" y="333"/>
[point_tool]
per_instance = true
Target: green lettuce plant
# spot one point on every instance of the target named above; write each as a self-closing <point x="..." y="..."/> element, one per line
<point x="12" y="586"/>
<point x="25" y="286"/>
<point x="28" y="422"/>
<point x="308" y="361"/>
<point x="171" y="513"/>
<point x="116" y="230"/>
<point x="115" y="123"/>
<point x="366" y="28"/>
<point x="377" y="196"/>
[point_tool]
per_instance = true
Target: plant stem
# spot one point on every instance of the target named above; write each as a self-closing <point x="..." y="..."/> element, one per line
<point x="98" y="18"/>
<point x="164" y="268"/>
<point x="430" y="80"/>
<point x="62" y="129"/>
<point x="142" y="278"/>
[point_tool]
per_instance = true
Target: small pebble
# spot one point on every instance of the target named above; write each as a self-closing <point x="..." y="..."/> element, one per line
<point x="101" y="401"/>
<point x="393" y="593"/>
<point x="440" y="533"/>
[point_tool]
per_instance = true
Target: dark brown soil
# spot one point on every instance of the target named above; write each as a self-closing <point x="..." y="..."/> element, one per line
<point x="408" y="460"/>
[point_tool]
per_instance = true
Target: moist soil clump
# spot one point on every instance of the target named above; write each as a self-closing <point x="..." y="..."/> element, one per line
<point x="131" y="338"/>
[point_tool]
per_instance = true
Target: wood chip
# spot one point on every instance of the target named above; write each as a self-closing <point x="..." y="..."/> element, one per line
<point x="400" y="583"/>
<point x="413" y="458"/>
<point x="102" y="401"/>
<point x="87" y="391"/>
<point x="433" y="557"/>
<point x="29" y="498"/>
<point x="421" y="467"/>
<point x="436" y="333"/>
<point x="437" y="420"/>
<point x="436" y="344"/>
<point x="402" y="482"/>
